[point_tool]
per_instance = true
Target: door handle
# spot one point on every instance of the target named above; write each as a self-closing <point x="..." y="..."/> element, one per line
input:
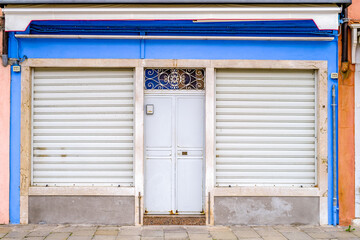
<point x="184" y="153"/>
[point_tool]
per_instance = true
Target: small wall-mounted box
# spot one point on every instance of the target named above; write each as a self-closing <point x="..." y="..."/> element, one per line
<point x="149" y="109"/>
<point x="334" y="75"/>
<point x="16" y="68"/>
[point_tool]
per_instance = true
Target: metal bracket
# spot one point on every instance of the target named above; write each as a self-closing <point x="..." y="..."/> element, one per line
<point x="139" y="207"/>
<point x="345" y="20"/>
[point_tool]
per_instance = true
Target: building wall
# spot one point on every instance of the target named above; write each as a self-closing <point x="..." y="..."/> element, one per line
<point x="347" y="129"/>
<point x="4" y="140"/>
<point x="161" y="49"/>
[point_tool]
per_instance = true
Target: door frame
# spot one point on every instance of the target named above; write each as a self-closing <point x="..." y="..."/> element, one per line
<point x="169" y="92"/>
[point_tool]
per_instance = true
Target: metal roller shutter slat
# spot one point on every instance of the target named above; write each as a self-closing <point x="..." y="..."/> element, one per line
<point x="90" y="159"/>
<point x="85" y="95"/>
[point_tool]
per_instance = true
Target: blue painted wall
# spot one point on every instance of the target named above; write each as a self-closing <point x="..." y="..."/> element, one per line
<point x="164" y="49"/>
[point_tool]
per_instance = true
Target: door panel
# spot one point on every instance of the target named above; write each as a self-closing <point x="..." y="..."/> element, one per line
<point x="159" y="155"/>
<point x="158" y="130"/>
<point x="158" y="185"/>
<point x="190" y="122"/>
<point x="189" y="184"/>
<point x="190" y="142"/>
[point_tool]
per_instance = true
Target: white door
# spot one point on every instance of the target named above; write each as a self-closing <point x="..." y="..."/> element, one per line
<point x="174" y="153"/>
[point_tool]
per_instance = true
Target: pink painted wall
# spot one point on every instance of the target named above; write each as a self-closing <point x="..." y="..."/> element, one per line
<point x="4" y="143"/>
<point x="4" y="139"/>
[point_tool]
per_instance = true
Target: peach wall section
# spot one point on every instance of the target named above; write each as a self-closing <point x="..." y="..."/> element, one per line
<point x="354" y="10"/>
<point x="4" y="139"/>
<point x="346" y="140"/>
<point x="347" y="129"/>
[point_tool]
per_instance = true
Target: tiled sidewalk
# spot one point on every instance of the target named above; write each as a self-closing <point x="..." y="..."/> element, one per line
<point x="87" y="232"/>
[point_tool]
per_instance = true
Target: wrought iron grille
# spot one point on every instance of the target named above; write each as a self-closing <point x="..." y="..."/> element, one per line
<point x="174" y="79"/>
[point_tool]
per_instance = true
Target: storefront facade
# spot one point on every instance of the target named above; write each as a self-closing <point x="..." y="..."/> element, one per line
<point x="121" y="112"/>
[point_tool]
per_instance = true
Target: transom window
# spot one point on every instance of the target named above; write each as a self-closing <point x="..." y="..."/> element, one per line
<point x="174" y="79"/>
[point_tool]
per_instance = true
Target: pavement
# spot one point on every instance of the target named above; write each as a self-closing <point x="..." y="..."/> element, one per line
<point x="95" y="232"/>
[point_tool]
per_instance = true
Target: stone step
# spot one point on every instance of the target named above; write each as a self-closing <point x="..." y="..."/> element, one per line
<point x="176" y="219"/>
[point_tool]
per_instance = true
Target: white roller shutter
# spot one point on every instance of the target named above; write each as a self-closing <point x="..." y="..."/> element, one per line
<point x="265" y="127"/>
<point x="82" y="130"/>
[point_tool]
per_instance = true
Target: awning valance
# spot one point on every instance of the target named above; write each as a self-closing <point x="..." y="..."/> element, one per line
<point x="18" y="17"/>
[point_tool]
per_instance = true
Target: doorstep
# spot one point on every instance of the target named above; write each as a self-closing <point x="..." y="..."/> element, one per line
<point x="185" y="219"/>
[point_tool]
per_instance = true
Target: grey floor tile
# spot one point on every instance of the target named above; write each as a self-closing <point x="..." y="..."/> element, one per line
<point x="246" y="234"/>
<point x="175" y="235"/>
<point x="241" y="228"/>
<point x="36" y="233"/>
<point x="152" y="238"/>
<point x="83" y="232"/>
<point x="3" y="234"/>
<point x="104" y="237"/>
<point x="320" y="235"/>
<point x="197" y="229"/>
<point x="174" y="229"/>
<point x="342" y="234"/>
<point x="58" y="236"/>
<point x="274" y="238"/>
<point x="80" y="237"/>
<point x="5" y="229"/>
<point x="107" y="232"/>
<point x="128" y="238"/>
<point x="199" y="236"/>
<point x="152" y="233"/>
<point x="224" y="235"/>
<point x="297" y="236"/>
<point x="16" y="234"/>
<point x="34" y="238"/>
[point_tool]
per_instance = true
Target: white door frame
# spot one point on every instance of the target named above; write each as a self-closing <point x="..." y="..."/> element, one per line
<point x="168" y="92"/>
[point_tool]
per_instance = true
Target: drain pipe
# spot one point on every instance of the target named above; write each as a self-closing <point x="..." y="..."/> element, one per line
<point x="344" y="43"/>
<point x="5" y="39"/>
<point x="335" y="208"/>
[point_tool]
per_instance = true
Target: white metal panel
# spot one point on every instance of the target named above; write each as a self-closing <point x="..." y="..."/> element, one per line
<point x="265" y="127"/>
<point x="190" y="131"/>
<point x="325" y="16"/>
<point x="82" y="130"/>
<point x="159" y="155"/>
